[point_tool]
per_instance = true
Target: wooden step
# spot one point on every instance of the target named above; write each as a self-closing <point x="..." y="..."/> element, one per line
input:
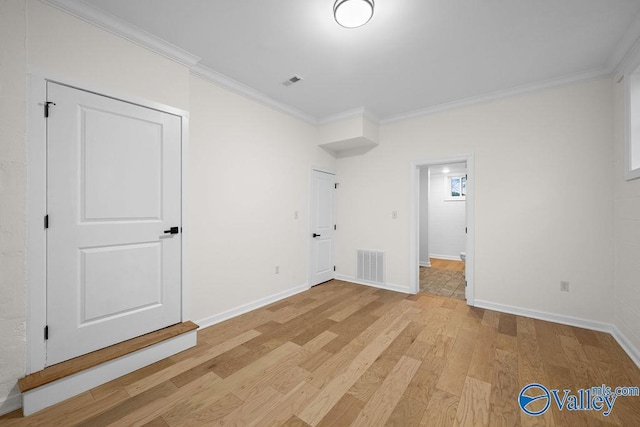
<point x="98" y="357"/>
<point x="68" y="379"/>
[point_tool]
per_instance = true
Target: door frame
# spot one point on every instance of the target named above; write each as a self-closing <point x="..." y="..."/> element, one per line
<point x="309" y="225"/>
<point x="414" y="221"/>
<point x="37" y="197"/>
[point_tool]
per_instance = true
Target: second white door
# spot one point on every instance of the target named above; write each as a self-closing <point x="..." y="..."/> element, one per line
<point x="322" y="218"/>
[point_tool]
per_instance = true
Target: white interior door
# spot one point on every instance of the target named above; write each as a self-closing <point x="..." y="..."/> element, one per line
<point x="322" y="227"/>
<point x="113" y="188"/>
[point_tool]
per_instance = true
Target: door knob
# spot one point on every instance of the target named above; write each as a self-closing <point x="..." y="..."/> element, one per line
<point x="316" y="235"/>
<point x="172" y="230"/>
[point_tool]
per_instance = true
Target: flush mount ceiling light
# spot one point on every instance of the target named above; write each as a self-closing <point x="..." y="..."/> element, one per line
<point x="353" y="13"/>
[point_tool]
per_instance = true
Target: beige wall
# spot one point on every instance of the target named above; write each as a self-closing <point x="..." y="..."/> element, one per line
<point x="13" y="168"/>
<point x="544" y="209"/>
<point x="627" y="235"/>
<point x="41" y="39"/>
<point x="249" y="171"/>
<point x="61" y="45"/>
<point x="544" y="203"/>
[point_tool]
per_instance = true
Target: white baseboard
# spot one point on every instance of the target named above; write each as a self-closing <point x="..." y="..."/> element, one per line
<point x="625" y="343"/>
<point x="543" y="315"/>
<point x="57" y="391"/>
<point x="221" y="317"/>
<point x="425" y="264"/>
<point x="387" y="286"/>
<point x="447" y="257"/>
<point x="632" y="351"/>
<point x="10" y="403"/>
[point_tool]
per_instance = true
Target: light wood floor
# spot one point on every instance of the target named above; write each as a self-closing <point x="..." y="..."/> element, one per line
<point x="343" y="354"/>
<point x="447" y="264"/>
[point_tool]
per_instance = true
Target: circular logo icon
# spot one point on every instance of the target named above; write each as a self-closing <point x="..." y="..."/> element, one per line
<point x="533" y="397"/>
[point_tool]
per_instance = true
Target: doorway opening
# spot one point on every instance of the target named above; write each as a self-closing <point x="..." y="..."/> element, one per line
<point x="442" y="227"/>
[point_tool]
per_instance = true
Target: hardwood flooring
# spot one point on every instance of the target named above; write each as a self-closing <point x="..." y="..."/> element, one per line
<point x="342" y="354"/>
<point x="447" y="264"/>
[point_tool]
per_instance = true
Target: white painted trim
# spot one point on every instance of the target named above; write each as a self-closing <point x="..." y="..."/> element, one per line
<point x="236" y="87"/>
<point x="10" y="403"/>
<point x="424" y="264"/>
<point x="544" y="315"/>
<point x="36" y="204"/>
<point x="185" y="296"/>
<point x="447" y="257"/>
<point x="625" y="343"/>
<point x="123" y="29"/>
<point x="55" y="392"/>
<point x="387" y="286"/>
<point x="492" y="96"/>
<point x="36" y="235"/>
<point x="350" y="114"/>
<point x="632" y="351"/>
<point x="245" y="308"/>
<point x="414" y="221"/>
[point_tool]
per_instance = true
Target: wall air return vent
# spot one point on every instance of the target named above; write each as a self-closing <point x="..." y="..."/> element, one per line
<point x="370" y="267"/>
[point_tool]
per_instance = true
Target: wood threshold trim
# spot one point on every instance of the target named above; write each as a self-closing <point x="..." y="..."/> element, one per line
<point x="90" y="360"/>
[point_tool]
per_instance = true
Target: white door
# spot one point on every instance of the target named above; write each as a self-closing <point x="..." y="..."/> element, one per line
<point x="322" y="226"/>
<point x="113" y="188"/>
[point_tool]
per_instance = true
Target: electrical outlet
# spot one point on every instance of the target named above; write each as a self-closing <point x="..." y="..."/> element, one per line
<point x="394" y="215"/>
<point x="564" y="286"/>
<point x="277" y="269"/>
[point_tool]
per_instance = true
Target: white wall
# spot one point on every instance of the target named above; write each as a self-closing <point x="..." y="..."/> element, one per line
<point x="249" y="171"/>
<point x="13" y="167"/>
<point x="543" y="210"/>
<point x="447" y="220"/>
<point x="627" y="235"/>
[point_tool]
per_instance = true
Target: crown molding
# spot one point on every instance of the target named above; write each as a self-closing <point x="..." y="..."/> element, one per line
<point x="125" y="30"/>
<point x="213" y="76"/>
<point x="520" y="90"/>
<point x="350" y="114"/>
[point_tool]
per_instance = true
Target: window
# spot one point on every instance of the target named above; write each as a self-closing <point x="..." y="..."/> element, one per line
<point x="455" y="188"/>
<point x="632" y="125"/>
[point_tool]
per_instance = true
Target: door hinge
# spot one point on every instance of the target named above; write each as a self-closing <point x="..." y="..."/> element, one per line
<point x="46" y="332"/>
<point x="336" y="185"/>
<point x="46" y="108"/>
<point x="334" y="268"/>
<point x="46" y="221"/>
<point x="335" y="227"/>
<point x="465" y="229"/>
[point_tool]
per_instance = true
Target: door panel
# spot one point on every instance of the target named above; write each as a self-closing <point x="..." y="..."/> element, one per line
<point x="322" y="226"/>
<point x="113" y="177"/>
<point x="131" y="158"/>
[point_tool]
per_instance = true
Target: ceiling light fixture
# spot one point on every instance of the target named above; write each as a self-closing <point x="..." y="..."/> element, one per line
<point x="353" y="13"/>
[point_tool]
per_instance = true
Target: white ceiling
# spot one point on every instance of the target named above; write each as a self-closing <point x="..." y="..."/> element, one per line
<point x="413" y="54"/>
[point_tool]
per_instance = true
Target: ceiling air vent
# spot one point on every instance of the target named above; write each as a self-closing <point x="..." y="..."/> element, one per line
<point x="292" y="80"/>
